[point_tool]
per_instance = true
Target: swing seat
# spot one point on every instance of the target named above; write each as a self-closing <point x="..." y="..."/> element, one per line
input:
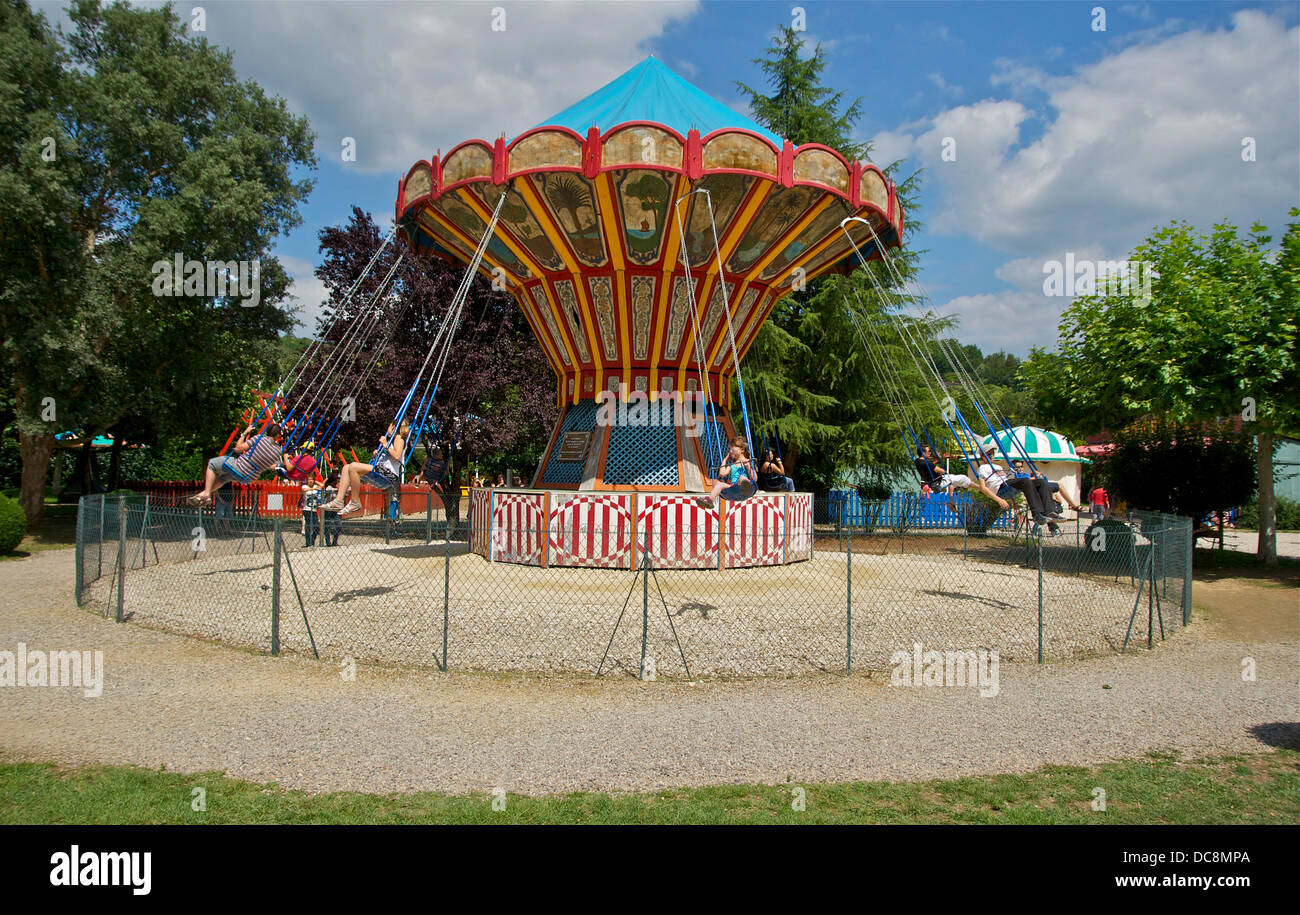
<point x="738" y="492"/>
<point x="380" y="481"/>
<point x="228" y="467"/>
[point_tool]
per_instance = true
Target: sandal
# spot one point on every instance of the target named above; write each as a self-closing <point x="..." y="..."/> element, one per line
<point x="199" y="499"/>
<point x="332" y="506"/>
<point x="704" y="502"/>
<point x="350" y="508"/>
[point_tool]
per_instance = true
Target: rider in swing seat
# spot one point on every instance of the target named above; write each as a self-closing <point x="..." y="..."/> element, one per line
<point x="736" y="477"/>
<point x="385" y="473"/>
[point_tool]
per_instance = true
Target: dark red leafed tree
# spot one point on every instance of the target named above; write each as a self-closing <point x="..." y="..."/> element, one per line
<point x="496" y="392"/>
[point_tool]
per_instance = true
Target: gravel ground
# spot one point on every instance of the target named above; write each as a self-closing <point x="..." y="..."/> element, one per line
<point x="384" y="604"/>
<point x="192" y="706"/>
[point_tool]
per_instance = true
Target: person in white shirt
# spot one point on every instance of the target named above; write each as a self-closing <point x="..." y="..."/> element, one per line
<point x="939" y="480"/>
<point x="1035" y="489"/>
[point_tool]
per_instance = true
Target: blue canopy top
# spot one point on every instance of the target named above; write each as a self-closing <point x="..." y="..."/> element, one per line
<point x="652" y="92"/>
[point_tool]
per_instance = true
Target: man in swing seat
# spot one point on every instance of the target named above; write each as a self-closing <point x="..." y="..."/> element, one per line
<point x="1059" y="496"/>
<point x="1038" y="495"/>
<point x="251" y="456"/>
<point x="939" y="480"/>
<point x="736" y="477"/>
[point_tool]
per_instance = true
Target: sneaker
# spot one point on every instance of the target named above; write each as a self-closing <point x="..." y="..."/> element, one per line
<point x="1052" y="526"/>
<point x="1033" y="531"/>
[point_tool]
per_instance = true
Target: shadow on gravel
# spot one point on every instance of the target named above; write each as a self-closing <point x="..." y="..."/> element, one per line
<point x="1284" y="734"/>
<point x="983" y="599"/>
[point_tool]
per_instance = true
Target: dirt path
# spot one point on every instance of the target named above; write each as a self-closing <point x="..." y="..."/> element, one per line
<point x="192" y="706"/>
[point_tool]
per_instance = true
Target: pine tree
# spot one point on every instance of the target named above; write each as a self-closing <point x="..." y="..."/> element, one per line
<point x="813" y="387"/>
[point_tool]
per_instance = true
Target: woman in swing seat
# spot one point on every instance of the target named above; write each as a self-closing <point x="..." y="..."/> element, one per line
<point x="771" y="474"/>
<point x="385" y="473"/>
<point x="736" y="477"/>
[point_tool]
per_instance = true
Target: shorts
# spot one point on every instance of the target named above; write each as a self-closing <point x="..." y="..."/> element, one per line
<point x="380" y="479"/>
<point x="954" y="481"/>
<point x="219" y="469"/>
<point x="737" y="492"/>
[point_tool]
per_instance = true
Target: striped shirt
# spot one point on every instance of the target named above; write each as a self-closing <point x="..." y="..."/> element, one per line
<point x="264" y="455"/>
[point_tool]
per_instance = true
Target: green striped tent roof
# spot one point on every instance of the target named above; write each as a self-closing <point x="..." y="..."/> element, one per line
<point x="1039" y="444"/>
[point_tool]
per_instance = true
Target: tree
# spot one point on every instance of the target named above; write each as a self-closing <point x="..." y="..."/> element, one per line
<point x="159" y="151"/>
<point x="1217" y="339"/>
<point x="808" y="374"/>
<point x="496" y="396"/>
<point x="1186" y="470"/>
<point x="800" y="108"/>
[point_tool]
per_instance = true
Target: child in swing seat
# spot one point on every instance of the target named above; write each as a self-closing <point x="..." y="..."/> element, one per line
<point x="736" y="477"/>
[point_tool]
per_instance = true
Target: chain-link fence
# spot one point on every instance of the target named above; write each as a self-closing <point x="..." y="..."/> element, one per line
<point x="855" y="591"/>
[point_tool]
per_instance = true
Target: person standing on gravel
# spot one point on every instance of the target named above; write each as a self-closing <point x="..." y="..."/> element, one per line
<point x="1099" y="501"/>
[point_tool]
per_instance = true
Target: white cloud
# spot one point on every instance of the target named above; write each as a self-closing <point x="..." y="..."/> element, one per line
<point x="308" y="291"/>
<point x="944" y="86"/>
<point x="1149" y="134"/>
<point x="405" y="79"/>
<point x="1013" y="321"/>
<point x="889" y="146"/>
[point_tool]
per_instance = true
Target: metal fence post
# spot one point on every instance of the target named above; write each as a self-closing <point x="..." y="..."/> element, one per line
<point x="1190" y="542"/>
<point x="144" y="532"/>
<point x="428" y="516"/>
<point x="101" y="535"/>
<point x="645" y="601"/>
<point x="77" y="565"/>
<point x="1040" y="596"/>
<point x="446" y="594"/>
<point x="848" y="615"/>
<point x="1078" y="553"/>
<point x="275" y="592"/>
<point x="121" y="554"/>
<point x="1151" y="598"/>
<point x="1132" y="550"/>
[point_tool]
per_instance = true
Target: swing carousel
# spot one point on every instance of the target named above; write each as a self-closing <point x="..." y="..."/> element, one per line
<point x="646" y="233"/>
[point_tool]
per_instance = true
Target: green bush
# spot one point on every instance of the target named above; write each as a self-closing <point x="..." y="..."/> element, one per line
<point x="13" y="525"/>
<point x="1288" y="515"/>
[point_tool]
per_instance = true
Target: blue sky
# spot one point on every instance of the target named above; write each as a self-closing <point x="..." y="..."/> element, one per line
<point x="1067" y="139"/>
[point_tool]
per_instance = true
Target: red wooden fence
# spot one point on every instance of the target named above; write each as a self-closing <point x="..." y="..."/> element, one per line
<point x="263" y="494"/>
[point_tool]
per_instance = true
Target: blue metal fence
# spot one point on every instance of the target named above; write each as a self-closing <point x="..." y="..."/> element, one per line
<point x="848" y="508"/>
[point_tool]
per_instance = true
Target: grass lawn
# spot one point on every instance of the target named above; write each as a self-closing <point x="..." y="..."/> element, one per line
<point x="1156" y="789"/>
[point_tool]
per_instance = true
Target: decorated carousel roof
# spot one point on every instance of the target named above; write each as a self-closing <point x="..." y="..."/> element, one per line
<point x="653" y="93"/>
<point x="589" y="242"/>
